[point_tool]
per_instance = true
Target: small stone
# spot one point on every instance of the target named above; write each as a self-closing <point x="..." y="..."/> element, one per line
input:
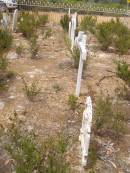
<point x="12" y="55"/>
<point x="2" y="104"/>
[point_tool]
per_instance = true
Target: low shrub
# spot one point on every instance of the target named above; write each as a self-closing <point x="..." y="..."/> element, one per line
<point x="34" y="47"/>
<point x="65" y="22"/>
<point x="48" y="33"/>
<point x="31" y="90"/>
<point x="29" y="155"/>
<point x="114" y="33"/>
<point x="19" y="50"/>
<point x="42" y="20"/>
<point x="108" y="119"/>
<point x="88" y="23"/>
<point x="73" y="102"/>
<point x="57" y="87"/>
<point x="123" y="71"/>
<point x="5" y="40"/>
<point x="105" y="34"/>
<point x="76" y="57"/>
<point x="27" y="24"/>
<point x="3" y="63"/>
<point x="10" y="74"/>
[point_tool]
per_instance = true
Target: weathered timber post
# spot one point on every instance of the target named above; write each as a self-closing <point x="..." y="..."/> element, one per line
<point x="85" y="131"/>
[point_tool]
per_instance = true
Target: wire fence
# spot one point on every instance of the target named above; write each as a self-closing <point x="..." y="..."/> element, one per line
<point x="81" y="8"/>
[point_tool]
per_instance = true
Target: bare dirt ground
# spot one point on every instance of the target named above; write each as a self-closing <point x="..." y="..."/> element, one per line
<point x="50" y="112"/>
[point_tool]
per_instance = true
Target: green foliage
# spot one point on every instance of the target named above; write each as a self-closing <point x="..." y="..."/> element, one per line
<point x="5" y="40"/>
<point x="114" y="33"/>
<point x="123" y="71"/>
<point x="3" y="63"/>
<point x="125" y="93"/>
<point x="65" y="22"/>
<point x="34" y="47"/>
<point x="19" y="50"/>
<point x="104" y="35"/>
<point x="88" y="23"/>
<point x="93" y="154"/>
<point x="76" y="57"/>
<point x="57" y="88"/>
<point x="42" y="20"/>
<point x="103" y="113"/>
<point x="72" y="101"/>
<point x="108" y="118"/>
<point x="28" y="24"/>
<point x="31" y="90"/>
<point x="10" y="74"/>
<point x="29" y="155"/>
<point x="48" y="33"/>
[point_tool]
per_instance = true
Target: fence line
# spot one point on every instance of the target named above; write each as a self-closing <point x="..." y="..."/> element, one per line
<point x="75" y="7"/>
<point x="55" y="17"/>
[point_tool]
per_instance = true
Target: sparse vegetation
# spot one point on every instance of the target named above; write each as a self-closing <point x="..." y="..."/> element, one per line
<point x="76" y="57"/>
<point x="34" y="47"/>
<point x="5" y="40"/>
<point x="123" y="71"/>
<point x="108" y="119"/>
<point x="88" y="23"/>
<point x="73" y="102"/>
<point x="57" y="87"/>
<point x="27" y="24"/>
<point x="3" y="63"/>
<point x="93" y="154"/>
<point x="31" y="90"/>
<point x="65" y="22"/>
<point x="42" y="20"/>
<point x="19" y="50"/>
<point x="109" y="36"/>
<point x="48" y="33"/>
<point x="28" y="155"/>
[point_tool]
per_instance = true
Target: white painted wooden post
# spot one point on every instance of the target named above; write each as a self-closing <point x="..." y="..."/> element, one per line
<point x="73" y="29"/>
<point x="5" y="21"/>
<point x="70" y="29"/>
<point x="69" y="12"/>
<point x="83" y="54"/>
<point x="85" y="130"/>
<point x="15" y="18"/>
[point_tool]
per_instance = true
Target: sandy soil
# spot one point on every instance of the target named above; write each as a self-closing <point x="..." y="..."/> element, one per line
<point x="50" y="112"/>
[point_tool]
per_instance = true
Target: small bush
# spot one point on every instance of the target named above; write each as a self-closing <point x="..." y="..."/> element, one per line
<point x="31" y="90"/>
<point x="93" y="154"/>
<point x="57" y="88"/>
<point x="3" y="63"/>
<point x="5" y="40"/>
<point x="108" y="119"/>
<point x="29" y="155"/>
<point x="27" y="24"/>
<point x="42" y="20"/>
<point x="19" y="50"/>
<point x="76" y="57"/>
<point x="125" y="93"/>
<point x="34" y="47"/>
<point x="72" y="101"/>
<point x="10" y="74"/>
<point x="65" y="22"/>
<point x="114" y="33"/>
<point x="48" y="33"/>
<point x="88" y="23"/>
<point x="104" y="34"/>
<point x="123" y="71"/>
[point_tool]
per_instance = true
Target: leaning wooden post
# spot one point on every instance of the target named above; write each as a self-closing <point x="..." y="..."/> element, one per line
<point x="83" y="55"/>
<point x="73" y="29"/>
<point x="15" y="18"/>
<point x="5" y="21"/>
<point x="85" y="131"/>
